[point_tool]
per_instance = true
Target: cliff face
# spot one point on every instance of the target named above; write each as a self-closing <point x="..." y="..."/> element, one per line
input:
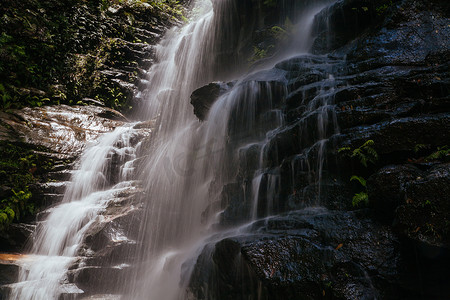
<point x="366" y="138"/>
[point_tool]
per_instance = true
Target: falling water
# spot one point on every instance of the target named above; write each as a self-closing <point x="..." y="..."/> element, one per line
<point x="57" y="239"/>
<point x="190" y="162"/>
<point x="187" y="165"/>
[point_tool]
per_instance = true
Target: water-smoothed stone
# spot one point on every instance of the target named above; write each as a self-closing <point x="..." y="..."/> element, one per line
<point x="62" y="129"/>
<point x="100" y="279"/>
<point x="108" y="250"/>
<point x="301" y="255"/>
<point x="9" y="272"/>
<point x="233" y="201"/>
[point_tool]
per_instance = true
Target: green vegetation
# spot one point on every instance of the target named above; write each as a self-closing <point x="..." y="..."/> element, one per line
<point x="361" y="197"/>
<point x="364" y="154"/>
<point x="424" y="153"/>
<point x="53" y="52"/>
<point x="272" y="38"/>
<point x="20" y="167"/>
<point x="381" y="9"/>
<point x="442" y="153"/>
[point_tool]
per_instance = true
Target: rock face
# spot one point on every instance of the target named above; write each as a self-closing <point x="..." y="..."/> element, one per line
<point x="50" y="138"/>
<point x="306" y="254"/>
<point x="379" y="73"/>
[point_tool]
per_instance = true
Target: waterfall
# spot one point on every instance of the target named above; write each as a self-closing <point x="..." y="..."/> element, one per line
<point x="58" y="238"/>
<point x="187" y="166"/>
<point x="190" y="162"/>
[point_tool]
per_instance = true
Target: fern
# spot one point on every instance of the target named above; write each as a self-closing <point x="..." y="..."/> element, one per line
<point x="442" y="153"/>
<point x="360" y="198"/>
<point x="365" y="154"/>
<point x="361" y="180"/>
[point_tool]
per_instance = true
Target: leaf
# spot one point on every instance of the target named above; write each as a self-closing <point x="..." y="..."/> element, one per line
<point x="343" y="149"/>
<point x="361" y="180"/>
<point x="360" y="198"/>
<point x="339" y="246"/>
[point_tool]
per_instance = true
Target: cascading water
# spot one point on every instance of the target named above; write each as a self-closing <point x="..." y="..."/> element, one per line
<point x="58" y="238"/>
<point x="187" y="165"/>
<point x="190" y="162"/>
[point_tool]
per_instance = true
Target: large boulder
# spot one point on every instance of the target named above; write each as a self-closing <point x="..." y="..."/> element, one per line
<point x="203" y="98"/>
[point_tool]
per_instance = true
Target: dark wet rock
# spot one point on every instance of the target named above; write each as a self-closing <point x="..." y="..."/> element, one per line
<point x="424" y="214"/>
<point x="203" y="98"/>
<point x="100" y="279"/>
<point x="387" y="188"/>
<point x="15" y="237"/>
<point x="411" y="33"/>
<point x="340" y="23"/>
<point x="302" y="255"/>
<point x="233" y="200"/>
<point x="9" y="273"/>
<point x="386" y="80"/>
<point x="402" y="134"/>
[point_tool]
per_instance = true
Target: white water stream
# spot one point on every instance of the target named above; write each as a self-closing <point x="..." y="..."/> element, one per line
<point x="58" y="238"/>
<point x="188" y="163"/>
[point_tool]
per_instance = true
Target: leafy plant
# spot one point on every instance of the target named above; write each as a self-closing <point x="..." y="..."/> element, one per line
<point x="258" y="54"/>
<point x="442" y="153"/>
<point x="270" y="3"/>
<point x="361" y="197"/>
<point x="19" y="168"/>
<point x="383" y="8"/>
<point x="365" y="154"/>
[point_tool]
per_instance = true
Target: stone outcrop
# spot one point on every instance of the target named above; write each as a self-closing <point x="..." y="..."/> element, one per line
<point x="379" y="72"/>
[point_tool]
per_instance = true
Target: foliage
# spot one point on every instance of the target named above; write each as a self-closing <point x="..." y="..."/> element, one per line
<point x="365" y="154"/>
<point x="425" y="153"/>
<point x="361" y="197"/>
<point x="381" y="9"/>
<point x="274" y="35"/>
<point x="270" y="3"/>
<point x="19" y="168"/>
<point x="259" y="53"/>
<point x="442" y="153"/>
<point x="41" y="41"/>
